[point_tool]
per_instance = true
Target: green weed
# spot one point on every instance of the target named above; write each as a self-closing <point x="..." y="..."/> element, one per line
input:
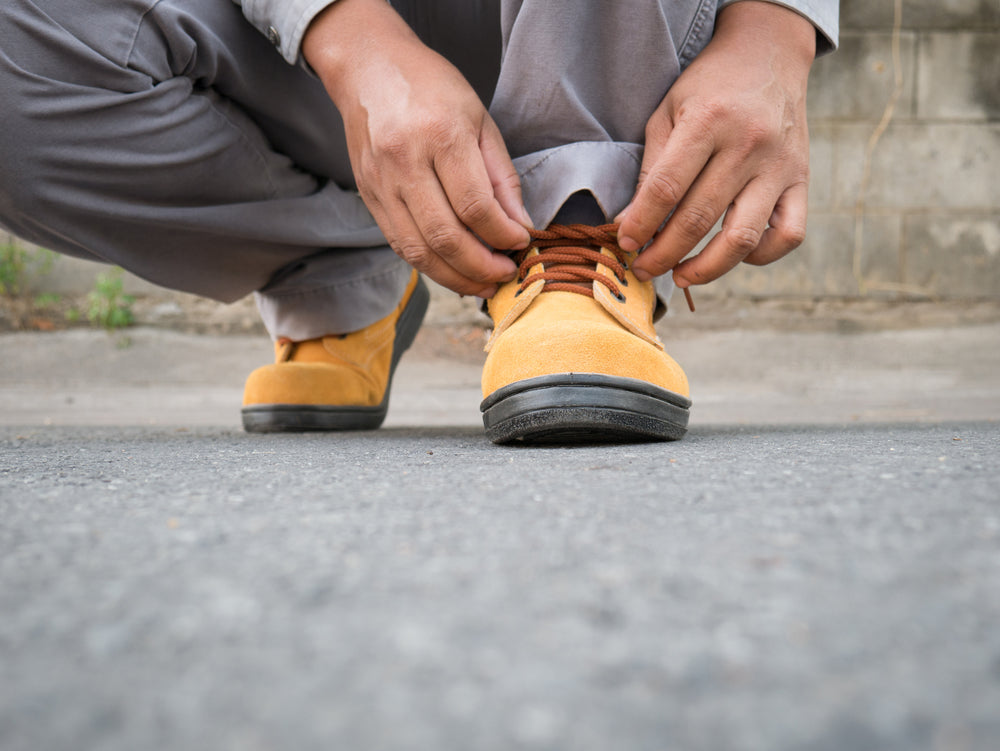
<point x="17" y="263"/>
<point x="47" y="299"/>
<point x="107" y="304"/>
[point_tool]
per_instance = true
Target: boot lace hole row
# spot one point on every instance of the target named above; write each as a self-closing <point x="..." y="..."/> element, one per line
<point x="569" y="255"/>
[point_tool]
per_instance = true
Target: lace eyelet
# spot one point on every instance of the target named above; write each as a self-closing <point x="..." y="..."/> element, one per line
<point x="623" y="281"/>
<point x="519" y="291"/>
<point x="620" y="297"/>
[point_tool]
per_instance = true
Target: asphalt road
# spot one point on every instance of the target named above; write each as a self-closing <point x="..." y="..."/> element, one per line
<point x="773" y="587"/>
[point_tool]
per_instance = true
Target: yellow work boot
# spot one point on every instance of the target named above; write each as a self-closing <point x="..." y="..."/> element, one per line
<point x="335" y="382"/>
<point x="574" y="356"/>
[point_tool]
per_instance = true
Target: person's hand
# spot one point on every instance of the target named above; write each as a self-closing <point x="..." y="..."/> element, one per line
<point x="730" y="138"/>
<point x="429" y="161"/>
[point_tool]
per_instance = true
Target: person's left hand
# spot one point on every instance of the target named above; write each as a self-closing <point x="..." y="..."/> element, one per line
<point x="730" y="138"/>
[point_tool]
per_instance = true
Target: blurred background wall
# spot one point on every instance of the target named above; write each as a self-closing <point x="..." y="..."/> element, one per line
<point x="905" y="189"/>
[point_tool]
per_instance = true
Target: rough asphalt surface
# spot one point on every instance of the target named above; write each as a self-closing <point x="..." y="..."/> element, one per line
<point x="780" y="588"/>
<point x="828" y="585"/>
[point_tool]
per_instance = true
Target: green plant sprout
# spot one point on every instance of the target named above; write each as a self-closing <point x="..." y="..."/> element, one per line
<point x="107" y="305"/>
<point x="17" y="263"/>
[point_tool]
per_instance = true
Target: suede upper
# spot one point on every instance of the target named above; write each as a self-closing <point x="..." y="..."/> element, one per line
<point x="544" y="332"/>
<point x="348" y="370"/>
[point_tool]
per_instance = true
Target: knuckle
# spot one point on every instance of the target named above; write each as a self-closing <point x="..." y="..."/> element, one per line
<point x="706" y="113"/>
<point x="474" y="208"/>
<point x="662" y="189"/>
<point x="741" y="241"/>
<point x="395" y="147"/>
<point x="413" y="253"/>
<point x="757" y="135"/>
<point x="442" y="134"/>
<point x="511" y="181"/>
<point x="715" y="111"/>
<point x="696" y="221"/>
<point x="791" y="236"/>
<point x="443" y="239"/>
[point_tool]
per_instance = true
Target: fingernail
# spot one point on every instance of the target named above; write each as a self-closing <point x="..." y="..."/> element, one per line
<point x="526" y="217"/>
<point x="627" y="244"/>
<point x="641" y="274"/>
<point x="487" y="293"/>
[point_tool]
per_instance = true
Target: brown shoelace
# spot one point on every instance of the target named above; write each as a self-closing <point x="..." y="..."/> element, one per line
<point x="570" y="254"/>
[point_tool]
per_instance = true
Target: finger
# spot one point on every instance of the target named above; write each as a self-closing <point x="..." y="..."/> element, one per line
<point x="504" y="178"/>
<point x="408" y="243"/>
<point x="450" y="240"/>
<point x="741" y="234"/>
<point x="788" y="226"/>
<point x="705" y="203"/>
<point x="665" y="184"/>
<point x="658" y="130"/>
<point x="468" y="189"/>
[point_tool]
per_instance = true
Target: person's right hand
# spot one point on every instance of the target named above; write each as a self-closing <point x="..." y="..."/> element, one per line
<point x="429" y="161"/>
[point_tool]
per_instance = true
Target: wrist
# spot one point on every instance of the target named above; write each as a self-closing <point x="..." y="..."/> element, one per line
<point x="764" y="23"/>
<point x="342" y="38"/>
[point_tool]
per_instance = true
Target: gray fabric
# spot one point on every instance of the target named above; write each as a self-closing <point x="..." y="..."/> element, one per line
<point x="169" y="138"/>
<point x="179" y="146"/>
<point x="284" y="22"/>
<point x="573" y="109"/>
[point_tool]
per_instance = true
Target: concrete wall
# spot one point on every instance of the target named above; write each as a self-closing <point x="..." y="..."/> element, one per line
<point x="930" y="206"/>
<point x="925" y="221"/>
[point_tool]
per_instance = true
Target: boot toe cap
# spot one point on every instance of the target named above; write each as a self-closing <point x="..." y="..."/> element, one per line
<point x="569" y="347"/>
<point x="310" y="384"/>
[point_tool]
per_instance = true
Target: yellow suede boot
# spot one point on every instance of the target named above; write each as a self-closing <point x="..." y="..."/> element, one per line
<point x="335" y="382"/>
<point x="574" y="356"/>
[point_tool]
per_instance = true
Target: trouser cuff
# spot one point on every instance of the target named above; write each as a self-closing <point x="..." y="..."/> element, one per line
<point x="335" y="292"/>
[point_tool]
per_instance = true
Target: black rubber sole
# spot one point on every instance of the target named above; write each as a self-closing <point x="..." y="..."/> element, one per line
<point x="283" y="418"/>
<point x="584" y="408"/>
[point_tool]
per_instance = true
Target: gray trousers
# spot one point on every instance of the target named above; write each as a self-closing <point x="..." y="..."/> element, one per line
<point x="171" y="139"/>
